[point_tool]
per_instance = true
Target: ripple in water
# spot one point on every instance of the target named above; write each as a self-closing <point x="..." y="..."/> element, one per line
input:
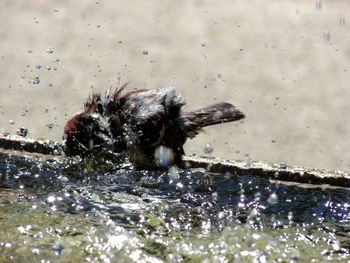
<point x="102" y="210"/>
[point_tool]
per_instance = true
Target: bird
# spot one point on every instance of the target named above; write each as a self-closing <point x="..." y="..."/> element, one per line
<point x="149" y="125"/>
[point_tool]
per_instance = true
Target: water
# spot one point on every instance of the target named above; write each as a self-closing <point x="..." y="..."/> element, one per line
<point x="36" y="80"/>
<point x="102" y="210"/>
<point x="50" y="50"/>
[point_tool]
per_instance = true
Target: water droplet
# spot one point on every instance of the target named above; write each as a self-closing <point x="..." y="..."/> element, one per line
<point x="145" y="52"/>
<point x="164" y="156"/>
<point x="326" y="35"/>
<point x="51" y="199"/>
<point x="36" y="251"/>
<point x="273" y="199"/>
<point x="335" y="245"/>
<point x="257" y="196"/>
<point x="49" y="50"/>
<point x="318" y="5"/>
<point x="48" y="67"/>
<point x="24" y="230"/>
<point x="38" y="66"/>
<point x="12" y="122"/>
<point x="36" y="80"/>
<point x="23" y="77"/>
<point x="342" y="22"/>
<point x="253" y="213"/>
<point x="58" y="247"/>
<point x="50" y="125"/>
<point x="208" y="149"/>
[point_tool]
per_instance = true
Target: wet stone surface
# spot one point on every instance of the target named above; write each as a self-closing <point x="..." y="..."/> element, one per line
<point x="102" y="210"/>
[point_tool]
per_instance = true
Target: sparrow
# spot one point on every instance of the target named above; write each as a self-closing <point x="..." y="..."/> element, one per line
<point x="148" y="125"/>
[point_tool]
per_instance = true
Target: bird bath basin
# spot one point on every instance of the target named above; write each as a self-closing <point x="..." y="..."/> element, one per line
<point x="54" y="209"/>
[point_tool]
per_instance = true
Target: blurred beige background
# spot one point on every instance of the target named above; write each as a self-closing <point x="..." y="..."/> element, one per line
<point x="286" y="64"/>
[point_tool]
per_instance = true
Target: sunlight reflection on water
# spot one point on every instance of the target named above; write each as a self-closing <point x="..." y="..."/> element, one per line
<point x="131" y="215"/>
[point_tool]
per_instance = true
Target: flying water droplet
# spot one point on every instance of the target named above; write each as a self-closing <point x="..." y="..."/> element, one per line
<point x="36" y="80"/>
<point x="326" y="35"/>
<point x="164" y="156"/>
<point x="318" y="5"/>
<point x="342" y="22"/>
<point x="273" y="199"/>
<point x="49" y="50"/>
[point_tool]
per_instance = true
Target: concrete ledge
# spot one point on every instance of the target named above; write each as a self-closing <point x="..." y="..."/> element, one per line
<point x="280" y="172"/>
<point x="18" y="143"/>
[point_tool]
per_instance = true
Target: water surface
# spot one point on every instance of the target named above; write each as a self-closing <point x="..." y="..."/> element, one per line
<point x="103" y="210"/>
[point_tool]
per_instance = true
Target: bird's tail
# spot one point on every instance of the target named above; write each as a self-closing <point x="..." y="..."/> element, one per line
<point x="214" y="114"/>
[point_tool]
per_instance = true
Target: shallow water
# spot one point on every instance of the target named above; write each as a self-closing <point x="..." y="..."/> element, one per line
<point x="94" y="211"/>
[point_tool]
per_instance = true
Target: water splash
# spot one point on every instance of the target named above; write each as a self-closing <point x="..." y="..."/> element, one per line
<point x="101" y="211"/>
